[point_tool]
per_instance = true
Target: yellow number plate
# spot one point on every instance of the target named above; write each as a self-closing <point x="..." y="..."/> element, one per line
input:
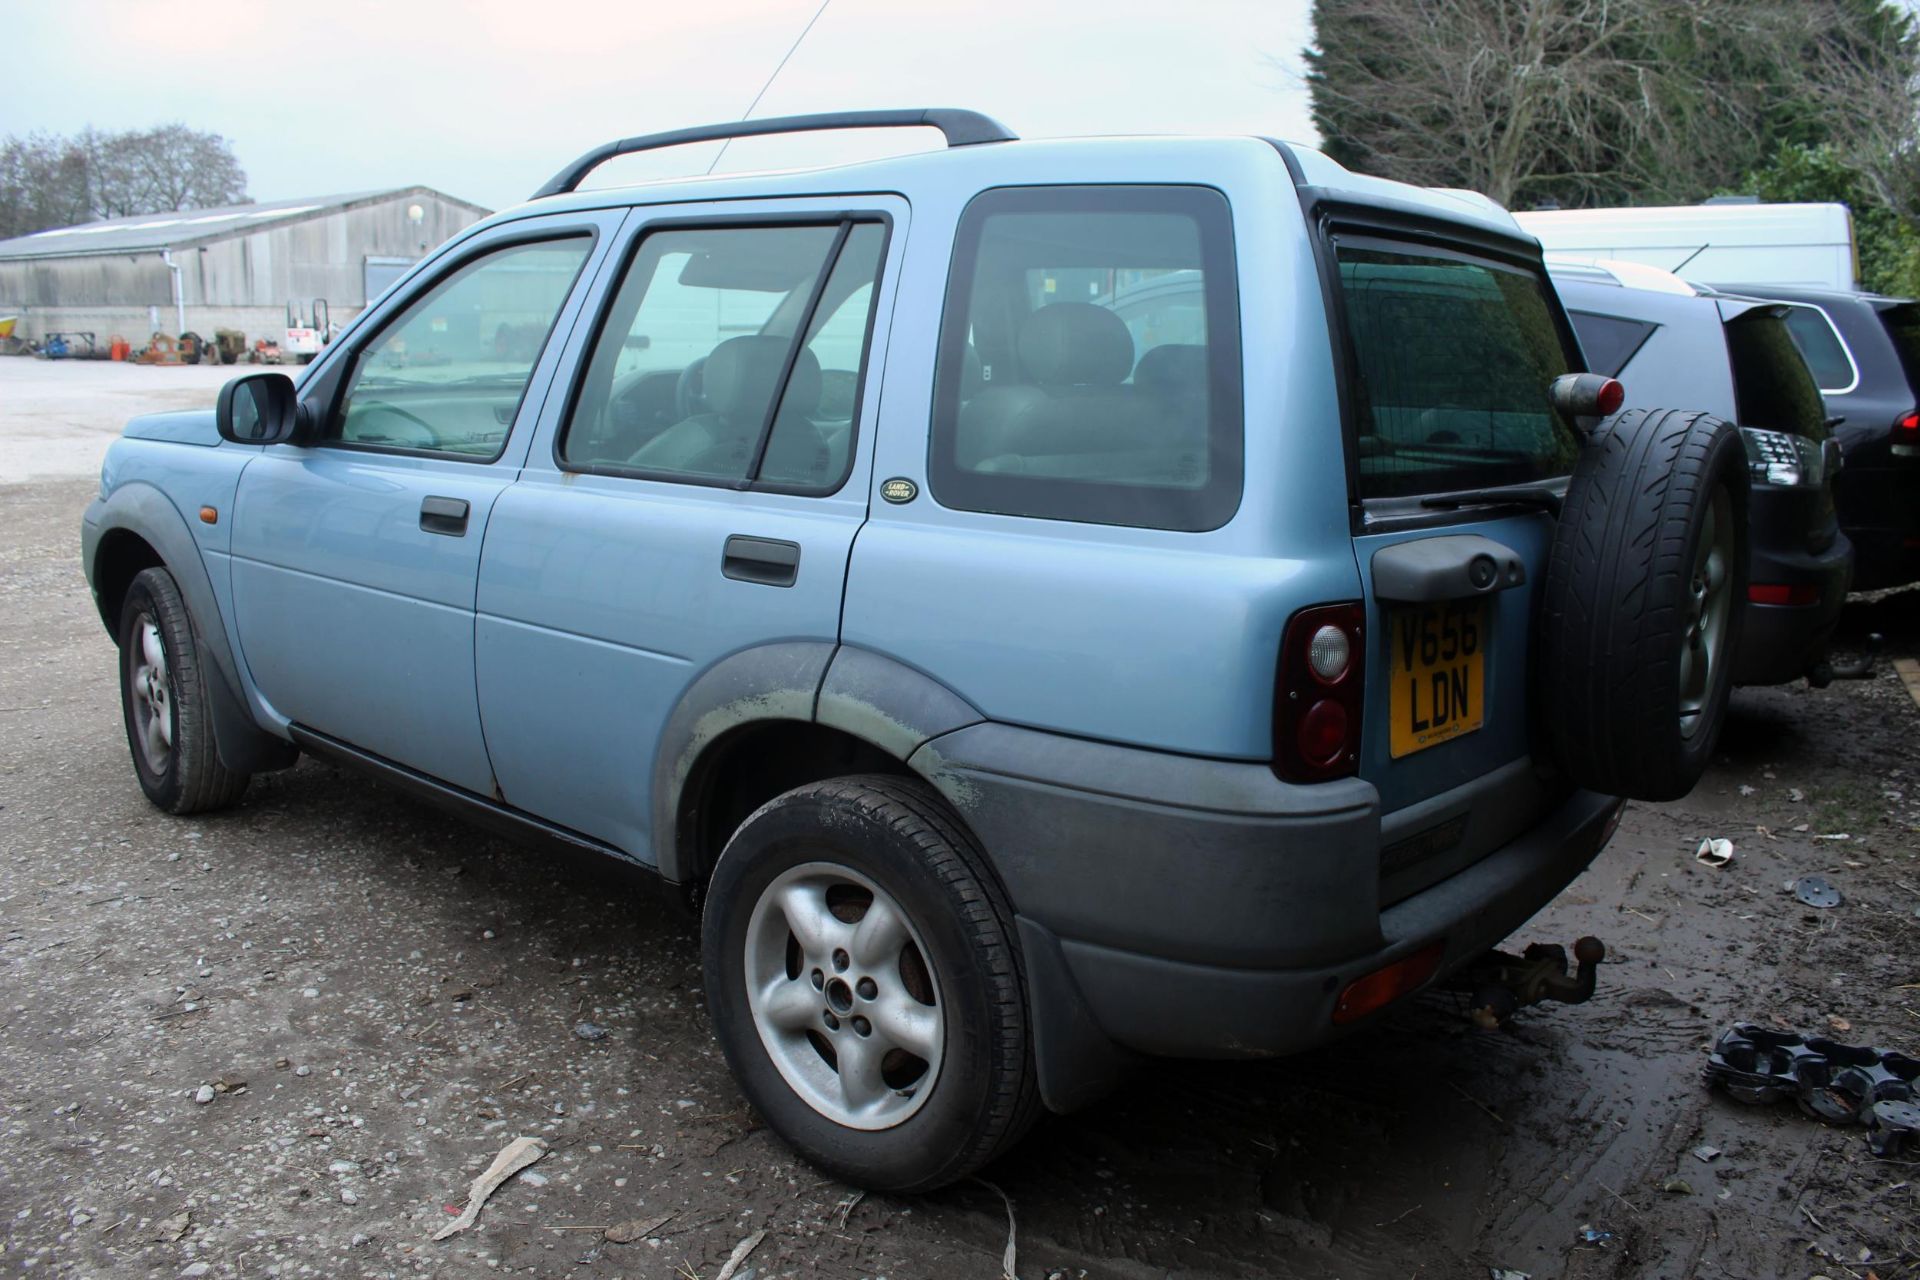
<point x="1438" y="673"/>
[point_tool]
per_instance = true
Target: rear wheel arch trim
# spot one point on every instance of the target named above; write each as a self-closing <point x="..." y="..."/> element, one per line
<point x="862" y="694"/>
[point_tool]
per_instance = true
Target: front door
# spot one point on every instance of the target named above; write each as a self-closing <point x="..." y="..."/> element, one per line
<point x="695" y="492"/>
<point x="354" y="558"/>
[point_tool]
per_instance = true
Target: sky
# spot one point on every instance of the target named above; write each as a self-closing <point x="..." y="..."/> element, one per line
<point x="485" y="99"/>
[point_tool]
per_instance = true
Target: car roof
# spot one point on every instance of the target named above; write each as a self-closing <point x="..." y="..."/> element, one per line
<point x="1184" y="158"/>
<point x="1618" y="274"/>
<point x="1815" y="294"/>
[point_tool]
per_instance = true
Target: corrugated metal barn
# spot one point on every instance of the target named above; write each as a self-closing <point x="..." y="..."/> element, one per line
<point x="233" y="268"/>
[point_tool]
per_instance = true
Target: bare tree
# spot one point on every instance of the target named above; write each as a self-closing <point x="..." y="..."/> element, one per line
<point x="52" y="181"/>
<point x="1596" y="100"/>
<point x="43" y="183"/>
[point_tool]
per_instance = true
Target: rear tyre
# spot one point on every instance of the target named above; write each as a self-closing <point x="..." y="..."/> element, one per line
<point x="866" y="985"/>
<point x="163" y="698"/>
<point x="1644" y="601"/>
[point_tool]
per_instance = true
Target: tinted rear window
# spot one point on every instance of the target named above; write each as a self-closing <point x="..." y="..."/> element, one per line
<point x="1903" y="326"/>
<point x="1772" y="387"/>
<point x="1609" y="341"/>
<point x="1826" y="356"/>
<point x="1455" y="356"/>
<point x="1090" y="358"/>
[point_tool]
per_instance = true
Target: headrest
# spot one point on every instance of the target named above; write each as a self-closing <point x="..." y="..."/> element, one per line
<point x="1076" y="344"/>
<point x="742" y="374"/>
<point x="1173" y="370"/>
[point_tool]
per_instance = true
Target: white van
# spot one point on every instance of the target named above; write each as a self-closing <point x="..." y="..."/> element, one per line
<point x="1784" y="244"/>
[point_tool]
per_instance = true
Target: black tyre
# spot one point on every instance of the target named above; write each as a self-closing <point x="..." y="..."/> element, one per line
<point x="1644" y="600"/>
<point x="866" y="985"/>
<point x="163" y="697"/>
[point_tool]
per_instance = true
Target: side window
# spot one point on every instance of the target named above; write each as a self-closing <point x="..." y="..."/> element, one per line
<point x="1826" y="355"/>
<point x="447" y="375"/>
<point x="1609" y="341"/>
<point x="1090" y="358"/>
<point x="732" y="355"/>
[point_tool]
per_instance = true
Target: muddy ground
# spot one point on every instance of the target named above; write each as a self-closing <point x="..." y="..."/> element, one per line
<point x="383" y="999"/>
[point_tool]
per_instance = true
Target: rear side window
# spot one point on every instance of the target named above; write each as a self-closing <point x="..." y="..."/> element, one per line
<point x="1609" y="341"/>
<point x="1772" y="387"/>
<point x="1090" y="358"/>
<point x="1903" y="326"/>
<point x="1455" y="357"/>
<point x="1826" y="355"/>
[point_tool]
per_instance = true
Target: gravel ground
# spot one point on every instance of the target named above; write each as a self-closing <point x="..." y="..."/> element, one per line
<point x="377" y="1000"/>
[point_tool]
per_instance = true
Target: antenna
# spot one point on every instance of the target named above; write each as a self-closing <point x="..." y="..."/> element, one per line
<point x="781" y="66"/>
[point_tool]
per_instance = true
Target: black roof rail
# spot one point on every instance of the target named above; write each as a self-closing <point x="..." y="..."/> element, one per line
<point x="962" y="129"/>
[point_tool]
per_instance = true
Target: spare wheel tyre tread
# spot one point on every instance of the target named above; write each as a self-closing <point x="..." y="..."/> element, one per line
<point x="1616" y="602"/>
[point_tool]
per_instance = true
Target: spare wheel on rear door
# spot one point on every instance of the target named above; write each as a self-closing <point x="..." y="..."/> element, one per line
<point x="1643" y="603"/>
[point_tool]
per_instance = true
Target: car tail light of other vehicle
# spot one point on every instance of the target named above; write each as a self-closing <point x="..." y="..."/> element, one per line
<point x="1906" y="436"/>
<point x="1317" y="699"/>
<point x="1781" y="458"/>
<point x="1783" y="593"/>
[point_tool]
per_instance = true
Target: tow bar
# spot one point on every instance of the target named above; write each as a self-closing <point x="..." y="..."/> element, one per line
<point x="1501" y="984"/>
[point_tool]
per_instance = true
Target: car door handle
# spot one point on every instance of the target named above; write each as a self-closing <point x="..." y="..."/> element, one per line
<point x="444" y="515"/>
<point x="767" y="561"/>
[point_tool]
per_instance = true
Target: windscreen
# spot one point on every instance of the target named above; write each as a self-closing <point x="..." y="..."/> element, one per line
<point x="1455" y="357"/>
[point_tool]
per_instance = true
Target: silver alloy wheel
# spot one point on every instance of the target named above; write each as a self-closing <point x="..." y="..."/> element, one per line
<point x="1709" y="604"/>
<point x="150" y="684"/>
<point x="842" y="996"/>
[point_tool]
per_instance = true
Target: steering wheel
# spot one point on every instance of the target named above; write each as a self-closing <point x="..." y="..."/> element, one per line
<point x="431" y="436"/>
<point x="690" y="394"/>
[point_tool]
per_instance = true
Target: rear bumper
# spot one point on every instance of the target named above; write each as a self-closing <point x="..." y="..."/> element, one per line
<point x="1159" y="1006"/>
<point x="1198" y="908"/>
<point x="1779" y="642"/>
<point x="1879" y="504"/>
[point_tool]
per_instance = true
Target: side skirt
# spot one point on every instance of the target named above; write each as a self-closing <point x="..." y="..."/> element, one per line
<point x="501" y="819"/>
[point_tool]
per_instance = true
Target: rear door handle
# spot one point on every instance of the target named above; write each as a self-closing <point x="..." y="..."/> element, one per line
<point x="444" y="515"/>
<point x="767" y="561"/>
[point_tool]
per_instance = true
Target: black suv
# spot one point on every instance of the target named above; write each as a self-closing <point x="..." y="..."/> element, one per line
<point x="1864" y="351"/>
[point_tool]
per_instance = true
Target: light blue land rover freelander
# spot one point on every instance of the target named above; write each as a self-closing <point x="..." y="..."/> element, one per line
<point x="1043" y="604"/>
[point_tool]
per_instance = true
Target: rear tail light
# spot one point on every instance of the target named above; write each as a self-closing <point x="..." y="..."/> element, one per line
<point x="1317" y="694"/>
<point x="1783" y="593"/>
<point x="1906" y="436"/>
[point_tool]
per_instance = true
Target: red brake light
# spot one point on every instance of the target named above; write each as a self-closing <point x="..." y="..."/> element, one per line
<point x="1783" y="593"/>
<point x="1907" y="430"/>
<point x="1317" y="694"/>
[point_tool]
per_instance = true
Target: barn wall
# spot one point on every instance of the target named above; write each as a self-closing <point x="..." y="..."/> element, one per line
<point x="319" y="258"/>
<point x="243" y="282"/>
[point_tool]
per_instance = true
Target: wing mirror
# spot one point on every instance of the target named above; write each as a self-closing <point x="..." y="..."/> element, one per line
<point x="260" y="408"/>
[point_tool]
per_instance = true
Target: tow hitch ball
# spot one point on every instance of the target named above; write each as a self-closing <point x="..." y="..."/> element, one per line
<point x="1501" y="984"/>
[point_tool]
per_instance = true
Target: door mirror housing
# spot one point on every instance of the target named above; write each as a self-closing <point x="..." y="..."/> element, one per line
<point x="260" y="408"/>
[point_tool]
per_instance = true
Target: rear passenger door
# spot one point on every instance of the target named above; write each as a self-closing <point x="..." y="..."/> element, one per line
<point x="693" y="491"/>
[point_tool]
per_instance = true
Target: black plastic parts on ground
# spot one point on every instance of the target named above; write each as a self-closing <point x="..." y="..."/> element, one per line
<point x="1834" y="1082"/>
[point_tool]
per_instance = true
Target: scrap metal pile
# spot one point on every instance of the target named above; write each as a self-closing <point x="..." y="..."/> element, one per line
<point x="1834" y="1082"/>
